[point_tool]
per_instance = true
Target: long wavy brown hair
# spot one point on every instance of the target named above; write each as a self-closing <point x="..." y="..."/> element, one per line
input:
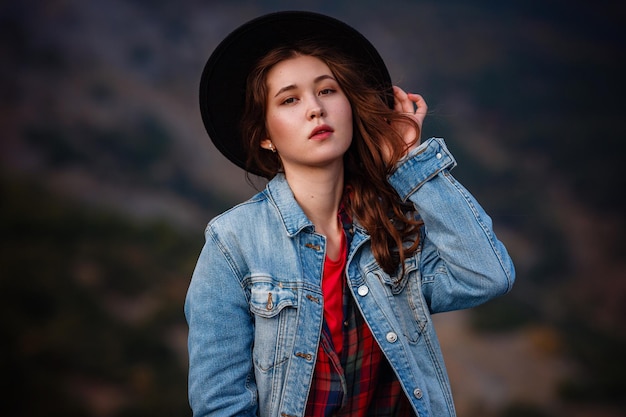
<point x="390" y="222"/>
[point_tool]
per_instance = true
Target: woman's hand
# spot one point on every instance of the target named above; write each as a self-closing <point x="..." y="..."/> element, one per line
<point x="414" y="106"/>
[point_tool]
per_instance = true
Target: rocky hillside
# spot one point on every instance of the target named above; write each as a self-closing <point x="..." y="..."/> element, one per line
<point x="108" y="179"/>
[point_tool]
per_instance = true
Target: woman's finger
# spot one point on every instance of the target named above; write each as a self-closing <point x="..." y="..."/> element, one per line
<point x="402" y="103"/>
<point x="419" y="101"/>
<point x="397" y="99"/>
<point x="421" y="106"/>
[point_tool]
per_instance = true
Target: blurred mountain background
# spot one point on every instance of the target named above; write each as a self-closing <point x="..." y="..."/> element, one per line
<point x="108" y="178"/>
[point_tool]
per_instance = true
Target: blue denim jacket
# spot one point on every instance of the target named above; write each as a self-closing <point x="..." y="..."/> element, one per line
<point x="255" y="306"/>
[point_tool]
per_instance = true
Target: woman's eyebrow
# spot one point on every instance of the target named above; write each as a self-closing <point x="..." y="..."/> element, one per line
<point x="315" y="81"/>
<point x="286" y="88"/>
<point x="323" y="77"/>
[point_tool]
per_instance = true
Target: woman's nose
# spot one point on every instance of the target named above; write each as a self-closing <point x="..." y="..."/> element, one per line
<point x="317" y="111"/>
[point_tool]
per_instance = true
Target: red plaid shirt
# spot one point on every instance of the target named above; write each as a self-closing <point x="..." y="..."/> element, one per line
<point x="356" y="379"/>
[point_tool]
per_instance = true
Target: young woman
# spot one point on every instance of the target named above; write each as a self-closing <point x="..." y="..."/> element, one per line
<point x="314" y="297"/>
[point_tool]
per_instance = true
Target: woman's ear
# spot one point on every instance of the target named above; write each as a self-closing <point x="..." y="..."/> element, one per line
<point x="267" y="144"/>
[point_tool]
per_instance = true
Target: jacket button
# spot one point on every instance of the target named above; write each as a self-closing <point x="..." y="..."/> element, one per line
<point x="305" y="356"/>
<point x="363" y="290"/>
<point x="417" y="393"/>
<point x="438" y="155"/>
<point x="391" y="337"/>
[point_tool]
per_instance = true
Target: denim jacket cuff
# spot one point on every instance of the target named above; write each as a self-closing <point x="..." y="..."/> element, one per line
<point x="420" y="165"/>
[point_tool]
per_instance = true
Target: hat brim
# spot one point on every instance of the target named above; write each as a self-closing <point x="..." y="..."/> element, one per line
<point x="223" y="82"/>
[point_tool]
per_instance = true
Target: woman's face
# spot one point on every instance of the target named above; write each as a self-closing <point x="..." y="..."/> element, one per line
<point x="309" y="118"/>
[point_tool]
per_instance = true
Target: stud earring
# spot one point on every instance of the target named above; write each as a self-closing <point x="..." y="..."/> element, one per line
<point x="271" y="146"/>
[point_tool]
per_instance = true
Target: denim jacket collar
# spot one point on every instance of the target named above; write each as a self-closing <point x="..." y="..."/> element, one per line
<point x="293" y="218"/>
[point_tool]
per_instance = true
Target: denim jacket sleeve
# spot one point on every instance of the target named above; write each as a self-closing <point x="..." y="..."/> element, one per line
<point x="221" y="383"/>
<point x="462" y="263"/>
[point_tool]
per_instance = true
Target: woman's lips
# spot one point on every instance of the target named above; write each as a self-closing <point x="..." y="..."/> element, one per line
<point x="321" y="132"/>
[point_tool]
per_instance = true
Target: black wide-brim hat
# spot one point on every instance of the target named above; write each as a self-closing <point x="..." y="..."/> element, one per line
<point x="223" y="82"/>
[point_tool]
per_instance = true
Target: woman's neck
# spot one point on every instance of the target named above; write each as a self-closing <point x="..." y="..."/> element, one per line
<point x="319" y="194"/>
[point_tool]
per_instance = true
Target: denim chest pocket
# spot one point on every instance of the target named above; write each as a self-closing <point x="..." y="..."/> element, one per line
<point x="274" y="308"/>
<point x="407" y="301"/>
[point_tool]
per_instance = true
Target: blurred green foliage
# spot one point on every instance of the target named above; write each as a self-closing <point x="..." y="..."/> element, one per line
<point x="73" y="312"/>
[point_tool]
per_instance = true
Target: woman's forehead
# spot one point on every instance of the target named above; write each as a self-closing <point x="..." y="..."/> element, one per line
<point x="296" y="71"/>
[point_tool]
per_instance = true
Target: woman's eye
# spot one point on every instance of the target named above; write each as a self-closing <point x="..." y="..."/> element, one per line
<point x="289" y="100"/>
<point x="326" y="91"/>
